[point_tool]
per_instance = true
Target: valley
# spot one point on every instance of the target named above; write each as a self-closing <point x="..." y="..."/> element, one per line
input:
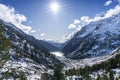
<point x="93" y="53"/>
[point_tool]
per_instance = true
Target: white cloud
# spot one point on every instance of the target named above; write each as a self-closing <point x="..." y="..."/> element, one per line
<point x="9" y="14"/>
<point x="113" y="11"/>
<point x="78" y="28"/>
<point x="76" y="21"/>
<point x="71" y="26"/>
<point x="107" y="3"/>
<point x="84" y="20"/>
<point x="42" y="34"/>
<point x="33" y="31"/>
<point x="68" y="36"/>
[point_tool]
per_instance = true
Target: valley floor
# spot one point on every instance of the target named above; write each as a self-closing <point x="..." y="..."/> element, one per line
<point x="70" y="63"/>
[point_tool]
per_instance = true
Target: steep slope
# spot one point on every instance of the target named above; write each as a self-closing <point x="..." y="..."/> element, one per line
<point x="95" y="39"/>
<point x="48" y="46"/>
<point x="21" y="68"/>
<point x="55" y="43"/>
<point x="99" y="67"/>
<point x="28" y="46"/>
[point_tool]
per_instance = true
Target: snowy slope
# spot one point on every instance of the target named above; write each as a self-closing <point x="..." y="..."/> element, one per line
<point x="81" y="63"/>
<point x="94" y="75"/>
<point x="27" y="56"/>
<point x="28" y="45"/>
<point x="31" y="69"/>
<point x="95" y="39"/>
<point x="76" y="64"/>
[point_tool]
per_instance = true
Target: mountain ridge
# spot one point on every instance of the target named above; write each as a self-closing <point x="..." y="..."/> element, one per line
<point x="28" y="45"/>
<point x="95" y="39"/>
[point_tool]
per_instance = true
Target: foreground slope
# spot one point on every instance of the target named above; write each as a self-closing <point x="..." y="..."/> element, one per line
<point x="26" y="58"/>
<point x="28" y="45"/>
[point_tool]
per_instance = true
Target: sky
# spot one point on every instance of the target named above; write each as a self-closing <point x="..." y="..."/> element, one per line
<point x="35" y="17"/>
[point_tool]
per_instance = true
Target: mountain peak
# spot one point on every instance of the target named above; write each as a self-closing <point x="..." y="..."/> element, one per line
<point x="98" y="38"/>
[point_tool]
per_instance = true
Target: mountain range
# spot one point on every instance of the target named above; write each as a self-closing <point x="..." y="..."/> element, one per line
<point x="98" y="38"/>
<point x="95" y="43"/>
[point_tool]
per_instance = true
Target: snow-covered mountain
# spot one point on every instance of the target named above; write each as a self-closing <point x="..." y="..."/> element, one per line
<point x="95" y="39"/>
<point x="27" y="44"/>
<point x="27" y="55"/>
<point x="77" y="69"/>
<point x="30" y="58"/>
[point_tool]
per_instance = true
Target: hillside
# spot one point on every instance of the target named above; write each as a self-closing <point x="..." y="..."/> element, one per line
<point x="98" y="38"/>
<point x="22" y="56"/>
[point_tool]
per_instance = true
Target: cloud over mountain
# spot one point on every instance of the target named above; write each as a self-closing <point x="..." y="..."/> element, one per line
<point x="84" y="20"/>
<point x="42" y="34"/>
<point x="9" y="14"/>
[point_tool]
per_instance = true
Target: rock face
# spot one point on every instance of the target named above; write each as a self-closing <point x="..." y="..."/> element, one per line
<point x="28" y="46"/>
<point x="95" y="39"/>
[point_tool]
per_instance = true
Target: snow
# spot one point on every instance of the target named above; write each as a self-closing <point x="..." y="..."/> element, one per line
<point x="95" y="47"/>
<point x="8" y="24"/>
<point x="11" y="79"/>
<point x="104" y="26"/>
<point x="94" y="75"/>
<point x="104" y="32"/>
<point x="87" y="61"/>
<point x="88" y="30"/>
<point x="101" y="72"/>
<point x="31" y="69"/>
<point x="72" y="77"/>
<point x="35" y="70"/>
<point x="33" y="77"/>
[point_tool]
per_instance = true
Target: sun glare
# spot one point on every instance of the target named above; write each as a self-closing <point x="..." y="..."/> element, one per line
<point x="54" y="7"/>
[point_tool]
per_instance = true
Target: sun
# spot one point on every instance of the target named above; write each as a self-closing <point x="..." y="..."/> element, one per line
<point x="54" y="6"/>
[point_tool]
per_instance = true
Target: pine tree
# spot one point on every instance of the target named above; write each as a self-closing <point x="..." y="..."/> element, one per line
<point x="105" y="77"/>
<point x="117" y="79"/>
<point x="98" y="77"/>
<point x="4" y="46"/>
<point x="111" y="75"/>
<point x="58" y="72"/>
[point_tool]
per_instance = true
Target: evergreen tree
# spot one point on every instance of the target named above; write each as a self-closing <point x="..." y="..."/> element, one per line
<point x="4" y="46"/>
<point x="111" y="75"/>
<point x="98" y="77"/>
<point x="58" y="72"/>
<point x="117" y="79"/>
<point x="105" y="77"/>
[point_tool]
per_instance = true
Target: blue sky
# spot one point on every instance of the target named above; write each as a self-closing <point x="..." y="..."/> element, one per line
<point x="46" y="24"/>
